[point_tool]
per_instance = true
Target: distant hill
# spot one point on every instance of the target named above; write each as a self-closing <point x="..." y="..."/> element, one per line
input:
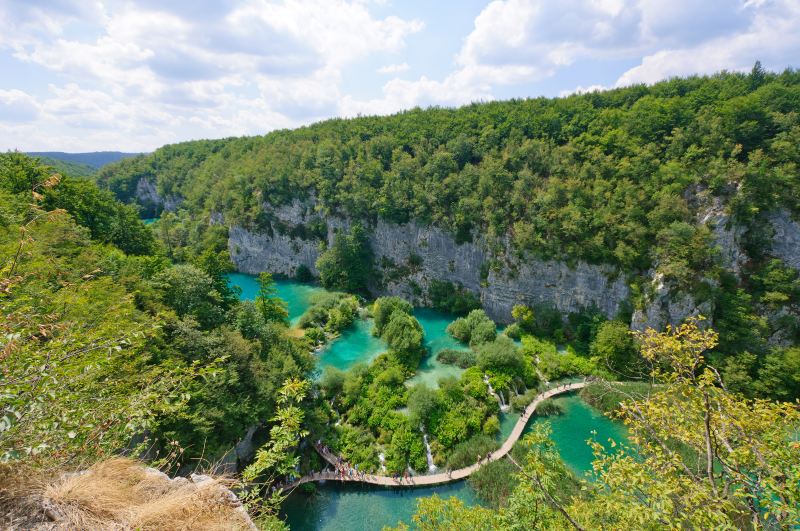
<point x="70" y="169"/>
<point x="95" y="159"/>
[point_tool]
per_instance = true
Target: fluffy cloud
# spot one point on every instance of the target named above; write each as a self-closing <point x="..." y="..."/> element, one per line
<point x="134" y="74"/>
<point x="582" y="90"/>
<point x="17" y="106"/>
<point x="173" y="65"/>
<point x="770" y="35"/>
<point x="521" y="42"/>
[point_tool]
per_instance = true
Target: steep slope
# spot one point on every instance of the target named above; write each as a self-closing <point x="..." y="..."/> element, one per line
<point x="644" y="203"/>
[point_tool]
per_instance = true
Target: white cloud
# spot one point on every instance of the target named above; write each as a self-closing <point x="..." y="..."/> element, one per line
<point x="134" y="74"/>
<point x="156" y="69"/>
<point x="519" y="42"/>
<point x="770" y="36"/>
<point x="338" y="30"/>
<point x="17" y="106"/>
<point x="394" y="68"/>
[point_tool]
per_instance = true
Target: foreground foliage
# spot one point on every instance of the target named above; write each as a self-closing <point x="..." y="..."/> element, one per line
<point x="701" y="457"/>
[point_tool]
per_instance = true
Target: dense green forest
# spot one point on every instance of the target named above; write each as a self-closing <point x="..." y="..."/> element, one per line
<point x="69" y="168"/>
<point x="598" y="176"/>
<point x="619" y="177"/>
<point x="115" y="340"/>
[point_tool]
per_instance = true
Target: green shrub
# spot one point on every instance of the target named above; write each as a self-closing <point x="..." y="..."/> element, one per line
<point x="459" y="358"/>
<point x="382" y="310"/>
<point x="549" y="407"/>
<point x="467" y="452"/>
<point x="476" y="328"/>
<point x="452" y="298"/>
<point x="303" y="274"/>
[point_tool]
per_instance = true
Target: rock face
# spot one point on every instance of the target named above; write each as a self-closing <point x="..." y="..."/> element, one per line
<point x="277" y="253"/>
<point x="667" y="307"/>
<point x="727" y="236"/>
<point x="786" y="241"/>
<point x="148" y="196"/>
<point x="410" y="256"/>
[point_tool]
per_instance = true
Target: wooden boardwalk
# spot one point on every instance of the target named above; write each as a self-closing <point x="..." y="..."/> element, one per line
<point x="442" y="477"/>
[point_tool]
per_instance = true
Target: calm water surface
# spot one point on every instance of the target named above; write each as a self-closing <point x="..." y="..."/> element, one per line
<point x="434" y="324"/>
<point x="354" y="345"/>
<point x="296" y="294"/>
<point x="353" y="508"/>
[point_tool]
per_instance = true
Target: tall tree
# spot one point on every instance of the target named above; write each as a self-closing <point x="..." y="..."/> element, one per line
<point x="272" y="307"/>
<point x="347" y="264"/>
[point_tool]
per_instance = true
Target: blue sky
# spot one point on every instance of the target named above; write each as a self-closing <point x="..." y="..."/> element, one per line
<point x="132" y="75"/>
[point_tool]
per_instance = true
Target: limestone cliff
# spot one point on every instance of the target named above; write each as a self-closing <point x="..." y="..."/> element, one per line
<point x="412" y="255"/>
<point x="147" y="195"/>
<point x="786" y="240"/>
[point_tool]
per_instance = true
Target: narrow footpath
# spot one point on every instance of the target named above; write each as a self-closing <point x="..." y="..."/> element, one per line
<point x="439" y="478"/>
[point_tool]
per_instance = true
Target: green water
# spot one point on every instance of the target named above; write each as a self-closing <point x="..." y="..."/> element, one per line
<point x="149" y="221"/>
<point x="360" y="508"/>
<point x="434" y="324"/>
<point x="296" y="294"/>
<point x="355" y="344"/>
<point x="575" y="426"/>
<point x="507" y="422"/>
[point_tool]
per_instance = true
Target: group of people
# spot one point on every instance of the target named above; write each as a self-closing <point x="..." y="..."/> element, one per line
<point x="343" y="469"/>
<point x="399" y="478"/>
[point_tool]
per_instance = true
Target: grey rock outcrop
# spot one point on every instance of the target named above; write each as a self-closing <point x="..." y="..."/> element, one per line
<point x="727" y="236"/>
<point x="786" y="241"/>
<point x="411" y="256"/>
<point x="147" y="195"/>
<point x="667" y="307"/>
<point x="277" y="253"/>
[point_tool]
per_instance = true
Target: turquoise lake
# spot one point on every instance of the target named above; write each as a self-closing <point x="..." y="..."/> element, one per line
<point x="296" y="294"/>
<point x="335" y="507"/>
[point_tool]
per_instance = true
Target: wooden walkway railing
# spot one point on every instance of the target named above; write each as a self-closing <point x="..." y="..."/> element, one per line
<point x="441" y="477"/>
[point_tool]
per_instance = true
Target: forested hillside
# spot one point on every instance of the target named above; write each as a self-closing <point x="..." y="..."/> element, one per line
<point x="107" y="345"/>
<point x="93" y="159"/>
<point x="674" y="186"/>
<point x="599" y="176"/>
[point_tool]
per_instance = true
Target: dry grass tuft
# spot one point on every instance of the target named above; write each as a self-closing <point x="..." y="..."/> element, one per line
<point x="123" y="494"/>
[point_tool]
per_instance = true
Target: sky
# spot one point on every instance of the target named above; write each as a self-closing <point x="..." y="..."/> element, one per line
<point x="132" y="75"/>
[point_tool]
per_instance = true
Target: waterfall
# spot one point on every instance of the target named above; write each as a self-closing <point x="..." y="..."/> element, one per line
<point x="382" y="459"/>
<point x="428" y="455"/>
<point x="499" y="396"/>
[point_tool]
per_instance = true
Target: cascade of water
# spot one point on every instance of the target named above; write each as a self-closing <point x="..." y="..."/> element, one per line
<point x="382" y="459"/>
<point x="428" y="455"/>
<point x="498" y="396"/>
